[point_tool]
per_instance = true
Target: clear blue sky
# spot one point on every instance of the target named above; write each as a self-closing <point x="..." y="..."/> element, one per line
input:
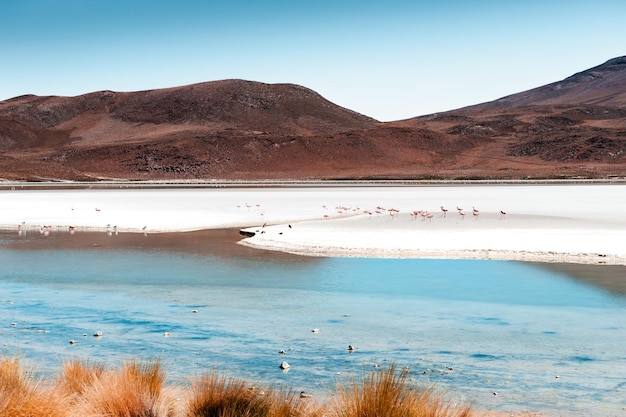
<point x="388" y="59"/>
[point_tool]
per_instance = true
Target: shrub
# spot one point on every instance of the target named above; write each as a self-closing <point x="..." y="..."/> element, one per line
<point x="386" y="393"/>
<point x="24" y="397"/>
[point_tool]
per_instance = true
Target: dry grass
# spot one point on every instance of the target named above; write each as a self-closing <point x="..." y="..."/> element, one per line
<point x="135" y="390"/>
<point x="138" y="389"/>
<point x="215" y="395"/>
<point x="386" y="393"/>
<point x="76" y="376"/>
<point x="22" y="396"/>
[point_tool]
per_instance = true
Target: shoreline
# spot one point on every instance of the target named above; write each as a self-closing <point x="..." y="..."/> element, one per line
<point x="278" y="183"/>
<point x="476" y="254"/>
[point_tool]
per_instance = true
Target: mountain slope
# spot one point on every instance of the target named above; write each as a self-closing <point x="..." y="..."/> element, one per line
<point x="604" y="85"/>
<point x="236" y="129"/>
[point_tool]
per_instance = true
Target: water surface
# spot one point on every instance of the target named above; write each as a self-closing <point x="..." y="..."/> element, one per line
<point x="544" y="337"/>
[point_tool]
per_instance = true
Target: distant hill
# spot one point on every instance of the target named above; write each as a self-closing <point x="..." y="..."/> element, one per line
<point x="236" y="129"/>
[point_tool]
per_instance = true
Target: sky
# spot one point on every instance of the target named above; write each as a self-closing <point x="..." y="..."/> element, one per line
<point x="387" y="59"/>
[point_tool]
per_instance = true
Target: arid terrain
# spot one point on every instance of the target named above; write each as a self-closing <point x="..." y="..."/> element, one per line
<point x="236" y="129"/>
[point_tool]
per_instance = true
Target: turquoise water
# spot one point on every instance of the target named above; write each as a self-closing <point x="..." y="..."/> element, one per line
<point x="541" y="339"/>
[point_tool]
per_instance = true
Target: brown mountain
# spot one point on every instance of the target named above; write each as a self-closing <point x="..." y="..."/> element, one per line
<point x="235" y="129"/>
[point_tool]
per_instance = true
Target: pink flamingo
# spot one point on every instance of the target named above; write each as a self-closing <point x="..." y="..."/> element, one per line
<point x="444" y="210"/>
<point x="502" y="214"/>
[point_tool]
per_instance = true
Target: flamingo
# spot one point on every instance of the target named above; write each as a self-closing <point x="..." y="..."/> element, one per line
<point x="502" y="214"/>
<point x="444" y="210"/>
<point x="462" y="214"/>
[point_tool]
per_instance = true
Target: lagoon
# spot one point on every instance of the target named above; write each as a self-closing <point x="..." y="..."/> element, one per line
<point x="545" y="337"/>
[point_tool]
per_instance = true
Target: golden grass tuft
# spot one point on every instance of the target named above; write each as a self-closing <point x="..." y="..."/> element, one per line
<point x="215" y="395"/>
<point x="135" y="390"/>
<point x="138" y="389"/>
<point x="77" y="375"/>
<point x="386" y="393"/>
<point x="21" y="396"/>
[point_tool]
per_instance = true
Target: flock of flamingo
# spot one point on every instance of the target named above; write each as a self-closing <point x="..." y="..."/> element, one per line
<point x="415" y="214"/>
<point x="425" y="215"/>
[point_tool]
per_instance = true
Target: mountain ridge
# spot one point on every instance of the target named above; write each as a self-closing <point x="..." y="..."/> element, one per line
<point x="604" y="84"/>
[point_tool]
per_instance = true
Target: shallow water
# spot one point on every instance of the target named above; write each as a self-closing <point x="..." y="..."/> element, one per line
<point x="544" y="338"/>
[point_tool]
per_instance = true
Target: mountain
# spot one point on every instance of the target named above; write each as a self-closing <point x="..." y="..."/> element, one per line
<point x="236" y="129"/>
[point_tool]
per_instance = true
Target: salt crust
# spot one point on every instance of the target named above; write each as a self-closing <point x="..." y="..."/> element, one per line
<point x="549" y="223"/>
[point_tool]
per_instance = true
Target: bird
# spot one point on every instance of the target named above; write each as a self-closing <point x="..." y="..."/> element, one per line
<point x="502" y="214"/>
<point x="284" y="365"/>
<point x="444" y="210"/>
<point x="304" y="395"/>
<point x="350" y="348"/>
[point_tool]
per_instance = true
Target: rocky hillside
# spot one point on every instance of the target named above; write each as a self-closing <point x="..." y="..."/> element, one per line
<point x="235" y="129"/>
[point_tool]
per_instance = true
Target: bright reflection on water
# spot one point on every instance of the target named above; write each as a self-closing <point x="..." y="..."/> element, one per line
<point x="541" y="339"/>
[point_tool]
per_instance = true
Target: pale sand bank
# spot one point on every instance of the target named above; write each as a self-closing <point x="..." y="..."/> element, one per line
<point x="560" y="223"/>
